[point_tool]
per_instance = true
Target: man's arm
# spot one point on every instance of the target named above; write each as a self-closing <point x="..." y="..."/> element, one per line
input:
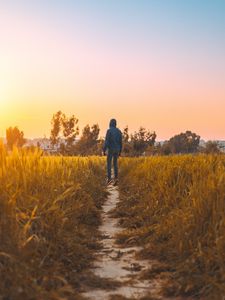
<point x="106" y="143"/>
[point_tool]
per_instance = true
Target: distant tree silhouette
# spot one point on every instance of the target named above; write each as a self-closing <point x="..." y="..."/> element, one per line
<point x="70" y="130"/>
<point x="165" y="148"/>
<point x="14" y="137"/>
<point x="125" y="134"/>
<point x="187" y="142"/>
<point x="127" y="147"/>
<point x="100" y="145"/>
<point x="56" y="127"/>
<point x="88" y="143"/>
<point x="211" y="147"/>
<point x="155" y="149"/>
<point x="141" y="140"/>
<point x="67" y="127"/>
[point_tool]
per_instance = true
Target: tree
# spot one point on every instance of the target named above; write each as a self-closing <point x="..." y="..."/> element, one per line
<point x="211" y="147"/>
<point x="154" y="149"/>
<point x="125" y="135"/>
<point x="14" y="137"/>
<point x="88" y="143"/>
<point x="165" y="148"/>
<point x="56" y="127"/>
<point x="127" y="147"/>
<point x="100" y="145"/>
<point x="187" y="142"/>
<point x="70" y="130"/>
<point x="141" y="140"/>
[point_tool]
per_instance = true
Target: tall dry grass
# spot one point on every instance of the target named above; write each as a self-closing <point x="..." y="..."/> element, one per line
<point x="175" y="207"/>
<point x="49" y="213"/>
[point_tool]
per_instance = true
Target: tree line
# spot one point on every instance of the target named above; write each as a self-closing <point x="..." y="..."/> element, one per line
<point x="65" y="130"/>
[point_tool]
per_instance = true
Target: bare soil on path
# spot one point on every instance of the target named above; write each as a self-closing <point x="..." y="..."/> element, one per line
<point x="119" y="264"/>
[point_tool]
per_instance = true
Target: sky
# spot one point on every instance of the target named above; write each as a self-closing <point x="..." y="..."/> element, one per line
<point x="153" y="63"/>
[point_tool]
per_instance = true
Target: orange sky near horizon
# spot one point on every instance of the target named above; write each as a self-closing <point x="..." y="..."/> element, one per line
<point x="168" y="82"/>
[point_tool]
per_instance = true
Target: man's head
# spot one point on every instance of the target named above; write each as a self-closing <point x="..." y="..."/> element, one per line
<point x="112" y="123"/>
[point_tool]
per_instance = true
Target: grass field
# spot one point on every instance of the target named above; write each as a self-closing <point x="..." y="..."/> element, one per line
<point x="49" y="214"/>
<point x="50" y="211"/>
<point x="175" y="207"/>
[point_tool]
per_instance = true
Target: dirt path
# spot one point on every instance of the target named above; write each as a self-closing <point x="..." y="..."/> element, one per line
<point x="119" y="264"/>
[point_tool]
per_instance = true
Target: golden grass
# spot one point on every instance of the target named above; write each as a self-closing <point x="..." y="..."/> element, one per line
<point x="175" y="206"/>
<point x="49" y="213"/>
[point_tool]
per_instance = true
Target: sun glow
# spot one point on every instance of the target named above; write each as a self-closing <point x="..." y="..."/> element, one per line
<point x="3" y="96"/>
<point x="79" y="61"/>
<point x="5" y="83"/>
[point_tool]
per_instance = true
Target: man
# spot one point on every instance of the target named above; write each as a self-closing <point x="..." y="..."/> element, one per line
<point x="113" y="143"/>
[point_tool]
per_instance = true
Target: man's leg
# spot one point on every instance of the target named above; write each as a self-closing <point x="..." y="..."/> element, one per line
<point x="115" y="165"/>
<point x="109" y="165"/>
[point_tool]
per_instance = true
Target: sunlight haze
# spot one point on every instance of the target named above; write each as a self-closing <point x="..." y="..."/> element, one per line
<point x="157" y="64"/>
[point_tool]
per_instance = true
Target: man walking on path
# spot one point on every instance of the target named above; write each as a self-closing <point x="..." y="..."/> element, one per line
<point x="113" y="143"/>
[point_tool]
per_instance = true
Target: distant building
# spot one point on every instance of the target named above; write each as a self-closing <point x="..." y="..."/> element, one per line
<point x="45" y="144"/>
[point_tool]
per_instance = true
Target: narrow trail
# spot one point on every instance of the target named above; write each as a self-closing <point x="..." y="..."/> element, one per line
<point x="117" y="263"/>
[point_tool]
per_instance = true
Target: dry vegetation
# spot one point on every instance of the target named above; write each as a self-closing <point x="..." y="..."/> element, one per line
<point x="175" y="207"/>
<point x="49" y="213"/>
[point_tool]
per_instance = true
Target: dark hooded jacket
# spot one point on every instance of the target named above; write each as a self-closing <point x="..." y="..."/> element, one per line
<point x="113" y="139"/>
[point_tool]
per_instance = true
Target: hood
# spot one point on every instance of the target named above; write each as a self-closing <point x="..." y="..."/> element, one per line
<point x="112" y="123"/>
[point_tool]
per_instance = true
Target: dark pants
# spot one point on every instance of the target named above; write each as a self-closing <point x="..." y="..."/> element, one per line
<point x="112" y="156"/>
